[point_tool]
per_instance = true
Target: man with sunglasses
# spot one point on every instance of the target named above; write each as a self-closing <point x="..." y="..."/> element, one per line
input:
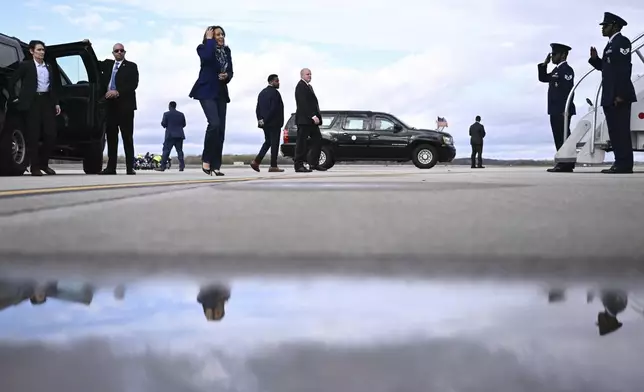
<point x="120" y="78"/>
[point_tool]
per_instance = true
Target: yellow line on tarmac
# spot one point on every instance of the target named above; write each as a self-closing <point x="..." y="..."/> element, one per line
<point x="80" y="188"/>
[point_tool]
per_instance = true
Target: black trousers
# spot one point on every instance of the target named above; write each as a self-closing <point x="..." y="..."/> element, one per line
<point x="40" y="124"/>
<point x="477" y="152"/>
<point x="557" y="126"/>
<point x="302" y="145"/>
<point x="168" y="144"/>
<point x="272" y="141"/>
<point x="123" y="120"/>
<point x="618" y="120"/>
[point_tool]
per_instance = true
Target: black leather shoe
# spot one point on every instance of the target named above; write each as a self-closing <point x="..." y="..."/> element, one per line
<point x="302" y="169"/>
<point x="108" y="172"/>
<point x="560" y="169"/>
<point x="131" y="172"/>
<point x="616" y="170"/>
<point x="49" y="171"/>
<point x="318" y="168"/>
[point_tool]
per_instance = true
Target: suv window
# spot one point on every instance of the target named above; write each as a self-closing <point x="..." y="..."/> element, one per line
<point x="383" y="124"/>
<point x="8" y="55"/>
<point x="356" y="123"/>
<point x="327" y="120"/>
<point x="74" y="68"/>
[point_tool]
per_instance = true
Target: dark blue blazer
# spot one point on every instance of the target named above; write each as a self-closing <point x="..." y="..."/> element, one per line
<point x="617" y="69"/>
<point x="208" y="85"/>
<point x="270" y="107"/>
<point x="174" y="121"/>
<point x="560" y="82"/>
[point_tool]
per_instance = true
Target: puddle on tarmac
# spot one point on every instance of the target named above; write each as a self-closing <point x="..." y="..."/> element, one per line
<point x="261" y="334"/>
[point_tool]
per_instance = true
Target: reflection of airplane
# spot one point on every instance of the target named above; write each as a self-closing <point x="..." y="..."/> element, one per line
<point x="15" y="292"/>
<point x="213" y="300"/>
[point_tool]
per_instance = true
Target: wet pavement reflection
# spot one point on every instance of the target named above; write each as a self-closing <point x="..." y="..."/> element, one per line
<point x="268" y="334"/>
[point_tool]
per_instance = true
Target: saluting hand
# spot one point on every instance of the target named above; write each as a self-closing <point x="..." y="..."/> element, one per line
<point x="210" y="33"/>
<point x="548" y="58"/>
<point x="593" y="52"/>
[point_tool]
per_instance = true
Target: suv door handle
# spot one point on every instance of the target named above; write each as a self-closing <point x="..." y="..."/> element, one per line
<point x="375" y="135"/>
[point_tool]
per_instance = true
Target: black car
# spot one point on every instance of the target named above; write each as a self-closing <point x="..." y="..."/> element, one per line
<point x="373" y="136"/>
<point x="81" y="124"/>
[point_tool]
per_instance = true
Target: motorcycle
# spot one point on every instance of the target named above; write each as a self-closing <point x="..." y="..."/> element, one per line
<point x="149" y="162"/>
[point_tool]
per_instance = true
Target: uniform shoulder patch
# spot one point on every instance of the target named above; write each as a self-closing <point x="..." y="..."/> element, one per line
<point x="568" y="77"/>
<point x="625" y="51"/>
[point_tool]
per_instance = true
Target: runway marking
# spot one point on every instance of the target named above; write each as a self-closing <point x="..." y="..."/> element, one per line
<point x="81" y="188"/>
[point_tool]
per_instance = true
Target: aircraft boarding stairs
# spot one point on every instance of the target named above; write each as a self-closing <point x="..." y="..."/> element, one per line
<point x="585" y="147"/>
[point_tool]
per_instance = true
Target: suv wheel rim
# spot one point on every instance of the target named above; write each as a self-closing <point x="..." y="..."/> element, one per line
<point x="322" y="158"/>
<point x="425" y="156"/>
<point x="18" y="147"/>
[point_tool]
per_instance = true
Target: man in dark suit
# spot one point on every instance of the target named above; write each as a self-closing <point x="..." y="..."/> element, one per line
<point x="121" y="78"/>
<point x="38" y="102"/>
<point x="308" y="120"/>
<point x="560" y="81"/>
<point x="618" y="92"/>
<point x="270" y="117"/>
<point x="477" y="134"/>
<point x="173" y="121"/>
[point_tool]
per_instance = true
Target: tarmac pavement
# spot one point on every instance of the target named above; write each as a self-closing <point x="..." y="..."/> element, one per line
<point x="366" y="220"/>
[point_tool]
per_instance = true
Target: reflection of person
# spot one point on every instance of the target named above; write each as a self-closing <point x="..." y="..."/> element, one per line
<point x="560" y="82"/>
<point x="121" y="78"/>
<point x="614" y="302"/>
<point x="39" y="103"/>
<point x="211" y="89"/>
<point x="13" y="293"/>
<point x="213" y="300"/>
<point x="270" y="117"/>
<point x="618" y="92"/>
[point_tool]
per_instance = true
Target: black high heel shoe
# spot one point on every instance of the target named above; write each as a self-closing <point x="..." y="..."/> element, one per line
<point x="207" y="171"/>
<point x="218" y="173"/>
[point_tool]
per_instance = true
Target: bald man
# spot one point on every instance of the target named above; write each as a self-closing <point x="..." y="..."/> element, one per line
<point x="308" y="120"/>
<point x="120" y="80"/>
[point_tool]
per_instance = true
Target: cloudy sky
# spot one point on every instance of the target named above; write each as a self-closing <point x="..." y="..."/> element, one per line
<point x="418" y="60"/>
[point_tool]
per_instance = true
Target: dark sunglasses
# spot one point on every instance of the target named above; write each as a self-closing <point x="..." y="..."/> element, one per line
<point x="119" y="51"/>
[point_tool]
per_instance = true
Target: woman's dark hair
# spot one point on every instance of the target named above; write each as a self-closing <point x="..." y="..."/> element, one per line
<point x="214" y="28"/>
<point x="34" y="42"/>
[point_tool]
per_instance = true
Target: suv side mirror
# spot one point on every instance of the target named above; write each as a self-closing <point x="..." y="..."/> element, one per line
<point x="398" y="128"/>
<point x="589" y="102"/>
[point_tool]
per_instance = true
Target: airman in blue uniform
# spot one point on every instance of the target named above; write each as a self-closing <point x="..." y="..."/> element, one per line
<point x="618" y="92"/>
<point x="560" y="81"/>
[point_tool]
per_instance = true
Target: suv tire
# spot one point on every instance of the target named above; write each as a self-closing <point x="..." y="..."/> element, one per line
<point x="424" y="156"/>
<point x="93" y="160"/>
<point x="13" y="152"/>
<point x="327" y="160"/>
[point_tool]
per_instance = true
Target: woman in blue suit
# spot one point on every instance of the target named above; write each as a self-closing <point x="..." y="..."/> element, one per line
<point x="211" y="89"/>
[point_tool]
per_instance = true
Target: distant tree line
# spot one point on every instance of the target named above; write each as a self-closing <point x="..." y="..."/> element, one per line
<point x="247" y="158"/>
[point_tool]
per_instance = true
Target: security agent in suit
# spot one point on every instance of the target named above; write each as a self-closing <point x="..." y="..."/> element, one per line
<point x="560" y="81"/>
<point x="308" y="119"/>
<point x="173" y="121"/>
<point x="477" y="134"/>
<point x="121" y="78"/>
<point x="38" y="102"/>
<point x="618" y="92"/>
<point x="270" y="117"/>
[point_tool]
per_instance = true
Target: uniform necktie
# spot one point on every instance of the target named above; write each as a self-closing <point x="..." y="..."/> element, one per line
<point x="113" y="78"/>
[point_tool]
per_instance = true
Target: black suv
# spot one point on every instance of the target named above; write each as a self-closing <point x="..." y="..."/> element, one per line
<point x="352" y="135"/>
<point x="81" y="124"/>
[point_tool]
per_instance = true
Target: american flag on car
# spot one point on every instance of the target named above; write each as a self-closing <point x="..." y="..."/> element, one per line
<point x="441" y="122"/>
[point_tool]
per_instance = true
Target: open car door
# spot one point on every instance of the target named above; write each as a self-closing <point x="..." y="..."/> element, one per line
<point x="78" y="82"/>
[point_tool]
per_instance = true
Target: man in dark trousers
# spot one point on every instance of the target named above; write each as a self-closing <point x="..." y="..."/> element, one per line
<point x="38" y="102"/>
<point x="173" y="121"/>
<point x="618" y="92"/>
<point x="121" y="77"/>
<point x="477" y="134"/>
<point x="308" y="120"/>
<point x="560" y="81"/>
<point x="270" y="117"/>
